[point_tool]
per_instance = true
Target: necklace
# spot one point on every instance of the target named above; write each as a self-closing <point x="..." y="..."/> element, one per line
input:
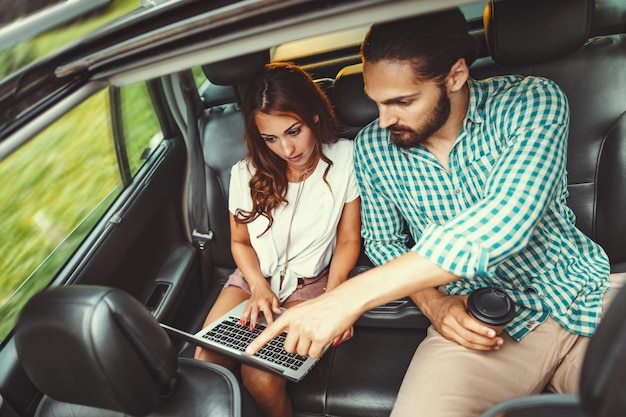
<point x="302" y="173"/>
<point x="301" y="178"/>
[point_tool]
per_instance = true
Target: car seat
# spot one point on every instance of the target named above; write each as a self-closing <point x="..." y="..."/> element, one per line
<point x="534" y="38"/>
<point x="591" y="73"/>
<point x="221" y="127"/>
<point x="97" y="351"/>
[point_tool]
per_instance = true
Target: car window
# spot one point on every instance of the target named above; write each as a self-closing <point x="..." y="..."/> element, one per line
<point x="353" y="36"/>
<point x="140" y="125"/>
<point x="58" y="186"/>
<point x="24" y="40"/>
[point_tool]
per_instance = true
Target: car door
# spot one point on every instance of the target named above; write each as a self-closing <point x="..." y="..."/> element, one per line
<point x="94" y="197"/>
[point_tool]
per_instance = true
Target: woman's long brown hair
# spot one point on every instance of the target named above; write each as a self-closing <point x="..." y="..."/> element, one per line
<point x="282" y="88"/>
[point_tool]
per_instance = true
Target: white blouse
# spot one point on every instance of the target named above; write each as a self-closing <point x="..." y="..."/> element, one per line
<point x="314" y="229"/>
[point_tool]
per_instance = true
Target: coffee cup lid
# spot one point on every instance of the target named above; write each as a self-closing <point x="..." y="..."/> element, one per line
<point x="491" y="306"/>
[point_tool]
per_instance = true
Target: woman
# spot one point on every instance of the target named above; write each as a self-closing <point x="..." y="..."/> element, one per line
<point x="294" y="213"/>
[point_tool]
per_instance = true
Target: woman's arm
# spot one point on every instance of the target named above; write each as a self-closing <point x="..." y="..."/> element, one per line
<point x="263" y="298"/>
<point x="348" y="244"/>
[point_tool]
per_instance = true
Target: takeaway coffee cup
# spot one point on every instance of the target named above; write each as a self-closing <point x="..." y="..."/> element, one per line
<point x="492" y="307"/>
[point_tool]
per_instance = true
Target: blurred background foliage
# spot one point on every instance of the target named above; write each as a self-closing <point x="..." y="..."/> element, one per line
<point x="56" y="187"/>
<point x="22" y="54"/>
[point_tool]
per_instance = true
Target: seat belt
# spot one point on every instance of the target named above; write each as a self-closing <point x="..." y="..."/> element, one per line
<point x="197" y="210"/>
<point x="201" y="232"/>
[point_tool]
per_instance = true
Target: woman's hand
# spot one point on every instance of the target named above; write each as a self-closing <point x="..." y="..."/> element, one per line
<point x="347" y="335"/>
<point x="263" y="300"/>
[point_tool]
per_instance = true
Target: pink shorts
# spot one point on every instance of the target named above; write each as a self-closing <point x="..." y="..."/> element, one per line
<point x="307" y="288"/>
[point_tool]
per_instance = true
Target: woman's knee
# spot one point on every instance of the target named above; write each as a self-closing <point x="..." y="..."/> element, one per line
<point x="207" y="356"/>
<point x="262" y="384"/>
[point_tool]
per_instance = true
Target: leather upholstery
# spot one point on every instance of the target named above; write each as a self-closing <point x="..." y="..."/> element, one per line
<point x="360" y="377"/>
<point x="97" y="351"/>
<point x="593" y="78"/>
<point x="603" y="378"/>
<point x="353" y="107"/>
<point x="221" y="133"/>
<point x="221" y="128"/>
<point x="238" y="70"/>
<point x="510" y="29"/>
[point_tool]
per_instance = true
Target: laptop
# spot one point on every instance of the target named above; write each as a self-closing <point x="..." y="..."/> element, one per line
<point x="226" y="336"/>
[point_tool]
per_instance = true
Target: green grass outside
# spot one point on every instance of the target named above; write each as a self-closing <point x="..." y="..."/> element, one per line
<point x="28" y="51"/>
<point x="57" y="186"/>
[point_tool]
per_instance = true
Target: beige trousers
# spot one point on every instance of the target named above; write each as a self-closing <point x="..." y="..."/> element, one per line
<point x="445" y="379"/>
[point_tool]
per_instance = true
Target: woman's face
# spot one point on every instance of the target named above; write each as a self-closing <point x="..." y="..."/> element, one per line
<point x="288" y="137"/>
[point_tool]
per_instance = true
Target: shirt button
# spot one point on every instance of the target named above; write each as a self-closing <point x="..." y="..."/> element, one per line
<point x="457" y="191"/>
<point x="542" y="296"/>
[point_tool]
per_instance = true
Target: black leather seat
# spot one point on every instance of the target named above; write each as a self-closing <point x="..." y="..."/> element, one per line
<point x="591" y="73"/>
<point x="221" y="127"/>
<point x="96" y="351"/>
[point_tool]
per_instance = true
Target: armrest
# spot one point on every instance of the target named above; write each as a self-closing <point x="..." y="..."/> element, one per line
<point x="402" y="313"/>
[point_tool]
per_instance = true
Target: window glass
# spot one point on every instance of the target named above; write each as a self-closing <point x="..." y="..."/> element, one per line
<point x="27" y="41"/>
<point x="353" y="36"/>
<point x="198" y="76"/>
<point x="141" y="127"/>
<point x="53" y="191"/>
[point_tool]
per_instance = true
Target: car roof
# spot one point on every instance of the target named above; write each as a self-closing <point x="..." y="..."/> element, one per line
<point x="160" y="38"/>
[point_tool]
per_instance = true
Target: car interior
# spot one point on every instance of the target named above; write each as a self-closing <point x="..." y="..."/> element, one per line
<point x="135" y="368"/>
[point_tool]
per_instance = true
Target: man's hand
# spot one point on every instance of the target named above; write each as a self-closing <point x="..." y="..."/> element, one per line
<point x="448" y="315"/>
<point x="310" y="326"/>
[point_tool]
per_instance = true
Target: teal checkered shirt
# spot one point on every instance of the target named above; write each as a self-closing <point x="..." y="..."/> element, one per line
<point x="498" y="216"/>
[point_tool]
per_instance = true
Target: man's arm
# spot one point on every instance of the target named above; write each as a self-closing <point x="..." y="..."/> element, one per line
<point x="314" y="324"/>
<point x="383" y="226"/>
<point x="384" y="232"/>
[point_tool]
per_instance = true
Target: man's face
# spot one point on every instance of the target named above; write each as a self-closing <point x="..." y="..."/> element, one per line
<point x="411" y="110"/>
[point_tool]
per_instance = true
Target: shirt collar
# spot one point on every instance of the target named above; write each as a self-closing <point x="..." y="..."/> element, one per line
<point x="476" y="104"/>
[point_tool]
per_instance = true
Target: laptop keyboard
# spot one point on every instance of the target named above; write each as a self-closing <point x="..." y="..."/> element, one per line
<point x="232" y="334"/>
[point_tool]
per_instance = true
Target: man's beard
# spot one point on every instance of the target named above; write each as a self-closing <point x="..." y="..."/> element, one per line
<point x="405" y="137"/>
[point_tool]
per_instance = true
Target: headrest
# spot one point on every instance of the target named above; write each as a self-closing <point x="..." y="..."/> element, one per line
<point x="238" y="70"/>
<point x="95" y="346"/>
<point x="353" y="107"/>
<point x="531" y="31"/>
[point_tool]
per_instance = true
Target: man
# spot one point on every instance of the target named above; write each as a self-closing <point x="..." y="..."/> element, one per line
<point x="475" y="171"/>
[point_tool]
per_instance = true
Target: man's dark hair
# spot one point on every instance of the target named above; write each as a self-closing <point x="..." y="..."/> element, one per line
<point x="432" y="42"/>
